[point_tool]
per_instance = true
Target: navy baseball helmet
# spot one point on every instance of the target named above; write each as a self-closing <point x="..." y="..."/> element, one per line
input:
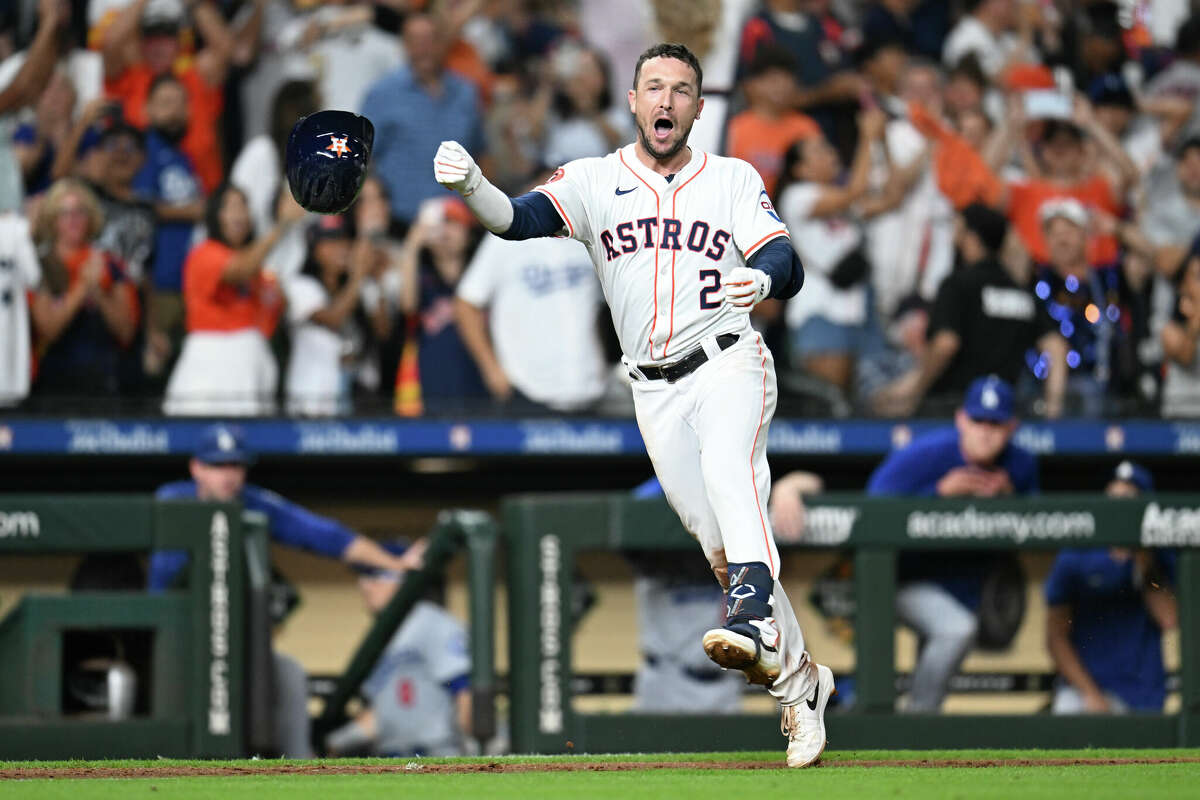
<point x="327" y="155"/>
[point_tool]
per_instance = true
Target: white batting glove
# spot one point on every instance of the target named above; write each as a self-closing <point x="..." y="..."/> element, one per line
<point x="454" y="168"/>
<point x="745" y="288"/>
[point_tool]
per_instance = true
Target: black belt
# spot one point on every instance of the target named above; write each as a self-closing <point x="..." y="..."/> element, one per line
<point x="686" y="365"/>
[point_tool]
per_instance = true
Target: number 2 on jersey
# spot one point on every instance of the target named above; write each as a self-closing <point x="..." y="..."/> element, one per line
<point x="710" y="280"/>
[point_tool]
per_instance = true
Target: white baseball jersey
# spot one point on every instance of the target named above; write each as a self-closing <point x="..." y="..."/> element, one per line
<point x="661" y="247"/>
<point x="532" y="287"/>
<point x="19" y="273"/>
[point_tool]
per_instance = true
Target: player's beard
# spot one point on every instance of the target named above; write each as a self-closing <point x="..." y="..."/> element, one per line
<point x="649" y="145"/>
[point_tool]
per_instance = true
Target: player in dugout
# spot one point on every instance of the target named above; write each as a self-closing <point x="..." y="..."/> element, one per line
<point x="938" y="593"/>
<point x="218" y="468"/>
<point x="419" y="693"/>
<point x="1107" y="610"/>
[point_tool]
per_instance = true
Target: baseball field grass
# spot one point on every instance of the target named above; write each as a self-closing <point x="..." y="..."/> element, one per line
<point x="856" y="775"/>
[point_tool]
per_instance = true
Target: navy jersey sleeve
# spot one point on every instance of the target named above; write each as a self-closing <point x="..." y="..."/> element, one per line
<point x="778" y="259"/>
<point x="298" y="527"/>
<point x="533" y="216"/>
<point x="1059" y="588"/>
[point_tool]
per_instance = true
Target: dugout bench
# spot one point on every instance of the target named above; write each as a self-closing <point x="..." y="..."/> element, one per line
<point x="544" y="533"/>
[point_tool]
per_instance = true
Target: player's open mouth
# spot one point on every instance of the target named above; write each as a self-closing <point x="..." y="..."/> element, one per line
<point x="663" y="128"/>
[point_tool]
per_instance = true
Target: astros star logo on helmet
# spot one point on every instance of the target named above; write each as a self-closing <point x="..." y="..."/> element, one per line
<point x="337" y="144"/>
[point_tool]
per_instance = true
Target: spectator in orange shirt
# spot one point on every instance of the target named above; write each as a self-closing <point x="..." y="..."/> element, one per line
<point x="143" y="42"/>
<point x="232" y="305"/>
<point x="1064" y="162"/>
<point x="85" y="313"/>
<point x="763" y="132"/>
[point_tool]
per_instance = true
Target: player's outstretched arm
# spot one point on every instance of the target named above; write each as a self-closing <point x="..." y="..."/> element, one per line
<point x="526" y="217"/>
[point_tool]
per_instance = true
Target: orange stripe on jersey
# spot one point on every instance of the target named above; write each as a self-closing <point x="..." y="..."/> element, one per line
<point x="658" y="212"/>
<point x="674" y="197"/>
<point x="754" y="478"/>
<point x="557" y="205"/>
<point x="750" y="251"/>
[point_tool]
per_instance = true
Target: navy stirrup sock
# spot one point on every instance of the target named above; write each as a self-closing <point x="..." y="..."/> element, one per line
<point x="749" y="596"/>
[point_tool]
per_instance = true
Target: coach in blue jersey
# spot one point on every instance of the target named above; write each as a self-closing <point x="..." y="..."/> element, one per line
<point x="219" y="473"/>
<point x="1108" y="608"/>
<point x="938" y="592"/>
<point x="218" y="470"/>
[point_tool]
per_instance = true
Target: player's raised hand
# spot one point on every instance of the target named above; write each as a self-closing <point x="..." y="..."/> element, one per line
<point x="745" y="287"/>
<point x="454" y="168"/>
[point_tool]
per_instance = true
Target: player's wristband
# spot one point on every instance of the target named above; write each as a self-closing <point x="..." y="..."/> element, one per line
<point x="490" y="206"/>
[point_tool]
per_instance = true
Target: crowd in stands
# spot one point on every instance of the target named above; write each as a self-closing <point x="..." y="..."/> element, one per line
<point x="974" y="187"/>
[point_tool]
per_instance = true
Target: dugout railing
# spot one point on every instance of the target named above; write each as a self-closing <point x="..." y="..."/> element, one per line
<point x="544" y="534"/>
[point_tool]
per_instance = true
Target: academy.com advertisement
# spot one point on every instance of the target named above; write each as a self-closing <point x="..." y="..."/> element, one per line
<point x="1019" y="527"/>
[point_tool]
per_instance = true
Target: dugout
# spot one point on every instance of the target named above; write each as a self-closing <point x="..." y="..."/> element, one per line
<point x="545" y="534"/>
<point x="198" y="657"/>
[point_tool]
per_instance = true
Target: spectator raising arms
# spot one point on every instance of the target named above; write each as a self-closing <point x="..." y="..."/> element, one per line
<point x="827" y="322"/>
<point x="86" y="311"/>
<point x="328" y="328"/>
<point x="232" y="305"/>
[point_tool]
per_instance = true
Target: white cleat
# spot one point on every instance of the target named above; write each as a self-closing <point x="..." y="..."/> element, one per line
<point x="732" y="650"/>
<point x="804" y="723"/>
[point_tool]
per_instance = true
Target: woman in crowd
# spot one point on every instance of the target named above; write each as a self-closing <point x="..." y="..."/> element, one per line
<point x="828" y="321"/>
<point x="328" y="323"/>
<point x="431" y="264"/>
<point x="232" y="305"/>
<point x="85" y="313"/>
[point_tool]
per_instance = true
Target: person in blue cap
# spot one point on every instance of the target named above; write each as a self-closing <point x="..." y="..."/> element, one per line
<point x="218" y="468"/>
<point x="938" y="592"/>
<point x="1107" y="610"/>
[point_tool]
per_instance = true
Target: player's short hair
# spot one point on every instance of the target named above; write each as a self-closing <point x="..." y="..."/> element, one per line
<point x="674" y="50"/>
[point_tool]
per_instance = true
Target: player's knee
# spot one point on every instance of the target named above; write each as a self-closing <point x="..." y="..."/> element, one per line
<point x="959" y="628"/>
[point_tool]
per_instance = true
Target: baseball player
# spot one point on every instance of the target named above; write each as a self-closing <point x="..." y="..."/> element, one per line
<point x="419" y="693"/>
<point x="685" y="243"/>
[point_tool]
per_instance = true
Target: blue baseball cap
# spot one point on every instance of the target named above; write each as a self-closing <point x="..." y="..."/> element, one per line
<point x="1135" y="473"/>
<point x="989" y="399"/>
<point x="222" y="444"/>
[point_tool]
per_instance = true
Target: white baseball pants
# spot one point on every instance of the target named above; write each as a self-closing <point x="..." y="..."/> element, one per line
<point x="706" y="435"/>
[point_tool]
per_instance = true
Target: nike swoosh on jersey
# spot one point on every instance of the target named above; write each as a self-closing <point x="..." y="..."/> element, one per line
<point x="812" y="702"/>
<point x="625" y="191"/>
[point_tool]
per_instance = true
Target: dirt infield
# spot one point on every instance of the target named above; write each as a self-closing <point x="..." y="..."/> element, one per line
<point x="569" y="765"/>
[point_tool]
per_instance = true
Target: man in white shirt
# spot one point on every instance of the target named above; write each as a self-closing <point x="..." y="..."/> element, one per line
<point x="540" y="342"/>
<point x="19" y="273"/>
<point x="985" y="31"/>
